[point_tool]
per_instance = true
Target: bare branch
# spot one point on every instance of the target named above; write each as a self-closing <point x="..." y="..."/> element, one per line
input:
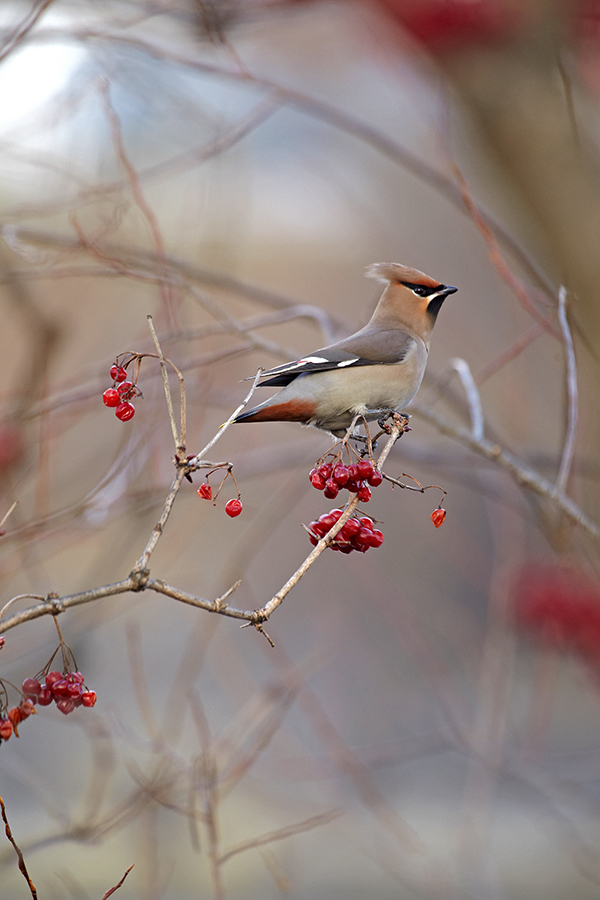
<point x="461" y="366"/>
<point x="282" y="833"/>
<point x="22" y="866"/>
<point x="117" y="886"/>
<point x="572" y="407"/>
<point x="522" y="474"/>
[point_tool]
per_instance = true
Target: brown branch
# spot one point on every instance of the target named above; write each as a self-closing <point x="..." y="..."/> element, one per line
<point x="261" y="615"/>
<point x="117" y="886"/>
<point x="282" y="833"/>
<point x="22" y="866"/>
<point x="522" y="474"/>
<point x="497" y="260"/>
<point x="139" y="198"/>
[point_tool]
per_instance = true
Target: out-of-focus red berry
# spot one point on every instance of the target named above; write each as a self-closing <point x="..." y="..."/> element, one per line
<point x="205" y="491"/>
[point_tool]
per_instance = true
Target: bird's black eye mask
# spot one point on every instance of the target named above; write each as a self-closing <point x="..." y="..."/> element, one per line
<point x="419" y="289"/>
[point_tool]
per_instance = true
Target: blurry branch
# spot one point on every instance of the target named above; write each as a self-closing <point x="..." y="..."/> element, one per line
<point x="22" y="866"/>
<point x="281" y="833"/>
<point x="496" y="258"/>
<point x="23" y="29"/>
<point x="18" y="239"/>
<point x="517" y="347"/>
<point x="521" y="473"/>
<point x="572" y="405"/>
<point x="461" y="366"/>
<point x="322" y="111"/>
<point x="140" y="201"/>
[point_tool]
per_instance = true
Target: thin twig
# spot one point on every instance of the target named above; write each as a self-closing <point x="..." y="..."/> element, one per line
<point x="22" y="866"/>
<point x="139" y="198"/>
<point x="144" y="559"/>
<point x="179" y="439"/>
<point x="22" y="30"/>
<point x="523" y="475"/>
<point x="461" y="366"/>
<point x="20" y="597"/>
<point x="572" y="404"/>
<point x="282" y="833"/>
<point x="7" y="514"/>
<point x="117" y="886"/>
<point x="200" y="457"/>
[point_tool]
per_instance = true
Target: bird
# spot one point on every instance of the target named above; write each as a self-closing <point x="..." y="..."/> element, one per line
<point x="373" y="372"/>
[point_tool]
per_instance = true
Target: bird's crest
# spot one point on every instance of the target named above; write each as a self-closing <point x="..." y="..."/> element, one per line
<point x="390" y="272"/>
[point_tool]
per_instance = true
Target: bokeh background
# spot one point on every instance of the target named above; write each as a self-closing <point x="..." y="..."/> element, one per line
<point x="427" y="723"/>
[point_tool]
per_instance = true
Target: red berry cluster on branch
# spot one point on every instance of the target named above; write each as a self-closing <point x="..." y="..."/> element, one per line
<point x="234" y="506"/>
<point x="66" y="689"/>
<point x="330" y="477"/>
<point x="355" y="534"/>
<point x="120" y="395"/>
<point x="13" y="718"/>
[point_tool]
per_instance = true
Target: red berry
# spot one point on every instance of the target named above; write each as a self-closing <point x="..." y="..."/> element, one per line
<point x="111" y="397"/>
<point x="438" y="516"/>
<point x="364" y="494"/>
<point x="6" y="729"/>
<point x="31" y="687"/>
<point x="118" y="373"/>
<point x="124" y="387"/>
<point x="376" y="538"/>
<point x="336" y="513"/>
<point x="350" y="528"/>
<point x="375" y="478"/>
<point x="15" y="717"/>
<point x="317" y="480"/>
<point x="60" y="688"/>
<point x="76" y="676"/>
<point x="327" y="521"/>
<point x="88" y="698"/>
<point x="66" y="705"/>
<point x="341" y="475"/>
<point x="45" y="696"/>
<point x="26" y="707"/>
<point x="205" y="491"/>
<point x="331" y="489"/>
<point x="52" y="677"/>
<point x="365" y="467"/>
<point x="74" y="689"/>
<point x="125" y="411"/>
<point x="233" y="508"/>
<point x="325" y="470"/>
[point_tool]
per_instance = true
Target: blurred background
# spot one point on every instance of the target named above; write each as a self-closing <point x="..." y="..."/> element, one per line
<point x="427" y="724"/>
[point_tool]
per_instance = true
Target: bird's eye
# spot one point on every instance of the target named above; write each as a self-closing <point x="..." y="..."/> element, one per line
<point x="420" y="291"/>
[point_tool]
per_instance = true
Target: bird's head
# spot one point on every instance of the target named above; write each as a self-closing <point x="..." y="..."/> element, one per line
<point x="411" y="296"/>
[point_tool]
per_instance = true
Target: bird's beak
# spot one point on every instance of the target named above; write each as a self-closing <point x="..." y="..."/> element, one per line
<point x="447" y="290"/>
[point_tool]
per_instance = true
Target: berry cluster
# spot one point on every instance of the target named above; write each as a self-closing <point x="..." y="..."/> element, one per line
<point x="13" y="718"/>
<point x="330" y="477"/>
<point x="355" y="533"/>
<point x="120" y="394"/>
<point x="561" y="608"/>
<point x="233" y="507"/>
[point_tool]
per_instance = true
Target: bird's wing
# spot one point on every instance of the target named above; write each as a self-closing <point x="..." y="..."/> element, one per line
<point x="369" y="347"/>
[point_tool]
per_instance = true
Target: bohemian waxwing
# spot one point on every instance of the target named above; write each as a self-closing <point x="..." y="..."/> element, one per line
<point x="375" y="370"/>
